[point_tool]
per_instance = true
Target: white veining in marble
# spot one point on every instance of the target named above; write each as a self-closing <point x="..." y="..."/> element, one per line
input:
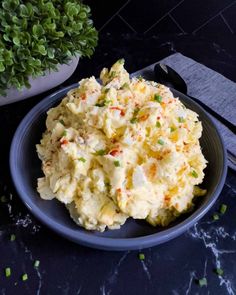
<point x="26" y="221"/>
<point x="19" y="219"/>
<point x="192" y="277"/>
<point x="79" y="290"/>
<point x="146" y="270"/>
<point x="205" y="268"/>
<point x="230" y="187"/>
<point x="210" y="240"/>
<point x="103" y="290"/>
<point x="112" y="277"/>
<point x="9" y="207"/>
<point x="30" y="254"/>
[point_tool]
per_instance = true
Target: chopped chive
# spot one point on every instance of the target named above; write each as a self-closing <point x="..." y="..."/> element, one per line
<point x="136" y="110"/>
<point x="140" y="77"/>
<point x="36" y="263"/>
<point x="219" y="271"/>
<point x="121" y="61"/>
<point x="100" y="104"/>
<point x="103" y="103"/>
<point x="223" y="208"/>
<point x="62" y="122"/>
<point x="161" y="142"/>
<point x="100" y="153"/>
<point x="81" y="159"/>
<point x="112" y="74"/>
<point x="134" y="120"/>
<point x="157" y="98"/>
<point x="117" y="163"/>
<point x="64" y="133"/>
<point x="7" y="272"/>
<point x="194" y="174"/>
<point x="125" y="85"/>
<point x="12" y="237"/>
<point x="172" y="129"/>
<point x="141" y="256"/>
<point x="107" y="184"/>
<point x="158" y="124"/>
<point x="106" y="102"/>
<point x="106" y="90"/>
<point x="202" y="282"/>
<point x="24" y="277"/>
<point x="181" y="120"/>
<point x="215" y="216"/>
<point x="3" y="199"/>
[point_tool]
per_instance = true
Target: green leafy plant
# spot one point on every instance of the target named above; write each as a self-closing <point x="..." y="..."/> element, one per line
<point x="37" y="35"/>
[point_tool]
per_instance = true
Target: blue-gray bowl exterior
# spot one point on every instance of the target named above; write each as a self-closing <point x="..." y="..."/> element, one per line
<point x="134" y="234"/>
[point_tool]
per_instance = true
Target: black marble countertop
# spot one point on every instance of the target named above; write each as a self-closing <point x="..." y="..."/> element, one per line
<point x="170" y="268"/>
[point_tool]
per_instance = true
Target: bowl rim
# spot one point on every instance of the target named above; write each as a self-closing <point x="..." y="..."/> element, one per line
<point x="86" y="238"/>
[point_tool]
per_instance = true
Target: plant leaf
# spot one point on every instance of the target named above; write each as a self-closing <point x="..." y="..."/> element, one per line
<point x="16" y="41"/>
<point x="2" y="68"/>
<point x="38" y="30"/>
<point x="38" y="35"/>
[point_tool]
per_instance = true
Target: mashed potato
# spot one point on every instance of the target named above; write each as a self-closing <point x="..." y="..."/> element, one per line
<point x="123" y="148"/>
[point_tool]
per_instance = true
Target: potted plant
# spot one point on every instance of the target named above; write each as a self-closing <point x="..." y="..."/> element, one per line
<point x="40" y="44"/>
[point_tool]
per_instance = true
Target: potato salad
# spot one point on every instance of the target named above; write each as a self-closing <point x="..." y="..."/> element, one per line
<point x="121" y="147"/>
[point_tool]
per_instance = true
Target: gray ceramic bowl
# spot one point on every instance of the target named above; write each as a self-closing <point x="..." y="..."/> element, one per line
<point x="134" y="234"/>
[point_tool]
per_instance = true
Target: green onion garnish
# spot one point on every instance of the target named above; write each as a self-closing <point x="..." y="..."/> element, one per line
<point x="172" y="129"/>
<point x="100" y="153"/>
<point x="161" y="142"/>
<point x="8" y="272"/>
<point x="121" y="61"/>
<point x="140" y="77"/>
<point x="24" y="277"/>
<point x="141" y="256"/>
<point x="125" y="85"/>
<point x="103" y="103"/>
<point x="134" y="120"/>
<point x="117" y="163"/>
<point x="223" y="208"/>
<point x="215" y="216"/>
<point x="107" y="102"/>
<point x="158" y="124"/>
<point x="12" y="238"/>
<point x="36" y="263"/>
<point x="112" y="74"/>
<point x="107" y="184"/>
<point x="202" y="282"/>
<point x="81" y="159"/>
<point x="64" y="133"/>
<point x="219" y="271"/>
<point x="3" y="199"/>
<point x="106" y="90"/>
<point x="136" y="111"/>
<point x="62" y="122"/>
<point x="157" y="98"/>
<point x="194" y="174"/>
<point x="100" y="104"/>
<point x="181" y="120"/>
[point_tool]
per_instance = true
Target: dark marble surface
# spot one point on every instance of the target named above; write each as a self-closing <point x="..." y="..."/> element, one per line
<point x="171" y="268"/>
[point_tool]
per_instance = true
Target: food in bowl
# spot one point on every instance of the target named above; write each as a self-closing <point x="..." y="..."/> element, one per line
<point x="121" y="148"/>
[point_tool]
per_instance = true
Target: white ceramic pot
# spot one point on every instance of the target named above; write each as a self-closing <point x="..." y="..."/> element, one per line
<point x="41" y="84"/>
